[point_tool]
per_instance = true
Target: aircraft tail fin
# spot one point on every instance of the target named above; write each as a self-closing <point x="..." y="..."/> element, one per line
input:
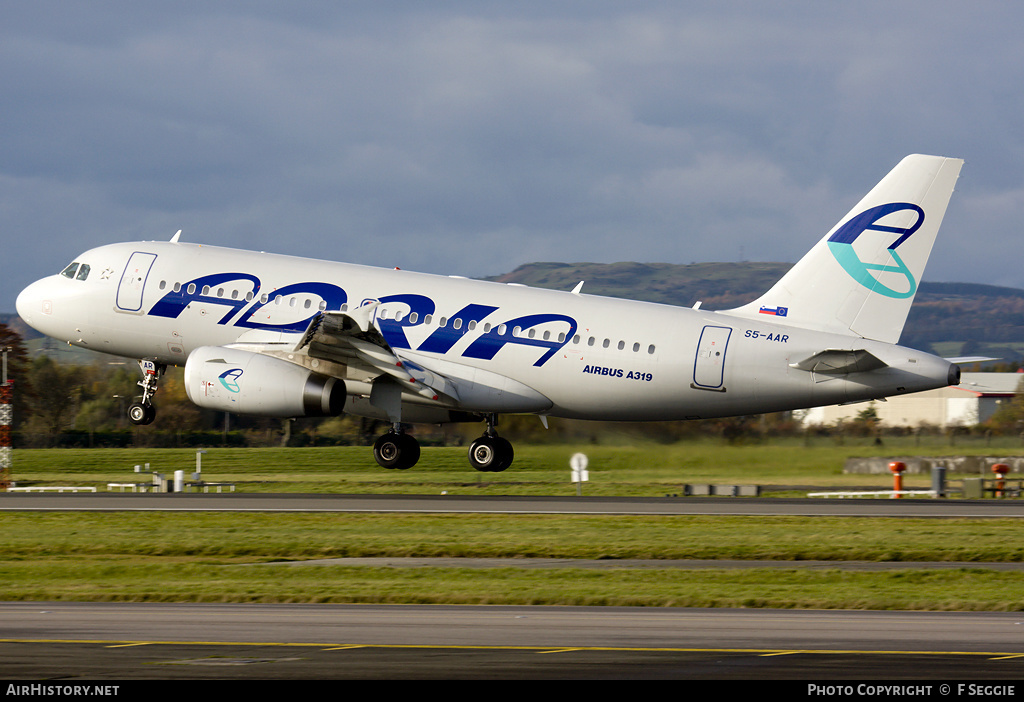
<point x="861" y="277"/>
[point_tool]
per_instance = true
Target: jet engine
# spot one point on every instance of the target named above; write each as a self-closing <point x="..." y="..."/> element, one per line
<point x="233" y="380"/>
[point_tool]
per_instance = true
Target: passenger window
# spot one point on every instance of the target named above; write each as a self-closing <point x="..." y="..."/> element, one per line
<point x="636" y="347"/>
<point x="70" y="271"/>
<point x="83" y="272"/>
<point x="650" y="349"/>
<point x="622" y="345"/>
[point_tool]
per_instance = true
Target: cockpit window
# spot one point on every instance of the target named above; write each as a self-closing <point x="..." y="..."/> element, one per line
<point x="82" y="270"/>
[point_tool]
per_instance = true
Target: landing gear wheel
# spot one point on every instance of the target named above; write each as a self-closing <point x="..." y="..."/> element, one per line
<point x="491" y="454"/>
<point x="139" y="413"/>
<point x="394" y="450"/>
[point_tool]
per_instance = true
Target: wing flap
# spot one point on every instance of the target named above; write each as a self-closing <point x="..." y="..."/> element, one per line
<point x="353" y="340"/>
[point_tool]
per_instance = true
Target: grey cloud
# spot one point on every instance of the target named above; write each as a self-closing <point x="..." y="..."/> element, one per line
<point x="471" y="137"/>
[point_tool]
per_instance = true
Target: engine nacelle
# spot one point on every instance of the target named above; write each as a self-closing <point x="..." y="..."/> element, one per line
<point x="242" y="382"/>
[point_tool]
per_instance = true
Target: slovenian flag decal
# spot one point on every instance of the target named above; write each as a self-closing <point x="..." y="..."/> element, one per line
<point x="775" y="311"/>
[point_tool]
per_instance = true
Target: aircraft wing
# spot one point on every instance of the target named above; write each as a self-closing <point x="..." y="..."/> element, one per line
<point x="840" y="362"/>
<point x="353" y="340"/>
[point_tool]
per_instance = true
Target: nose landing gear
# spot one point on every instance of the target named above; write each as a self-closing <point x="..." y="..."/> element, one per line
<point x="142" y="411"/>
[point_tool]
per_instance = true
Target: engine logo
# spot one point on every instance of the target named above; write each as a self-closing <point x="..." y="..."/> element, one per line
<point x="229" y="379"/>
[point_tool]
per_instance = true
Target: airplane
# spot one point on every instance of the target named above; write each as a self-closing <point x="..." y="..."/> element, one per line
<point x="281" y="336"/>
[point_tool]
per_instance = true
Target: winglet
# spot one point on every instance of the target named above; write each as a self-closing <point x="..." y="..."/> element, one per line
<point x="174" y="239"/>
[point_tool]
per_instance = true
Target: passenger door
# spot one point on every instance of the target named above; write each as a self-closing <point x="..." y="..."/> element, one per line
<point x="133" y="282"/>
<point x="709" y="365"/>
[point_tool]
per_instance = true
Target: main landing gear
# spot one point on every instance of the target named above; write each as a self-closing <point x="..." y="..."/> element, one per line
<point x="489" y="454"/>
<point x="396" y="449"/>
<point x="143" y="411"/>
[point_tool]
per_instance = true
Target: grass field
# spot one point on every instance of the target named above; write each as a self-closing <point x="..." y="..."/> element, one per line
<point x="251" y="557"/>
<point x="637" y="469"/>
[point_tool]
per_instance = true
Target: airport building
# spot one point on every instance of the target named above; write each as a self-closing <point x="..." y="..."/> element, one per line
<point x="974" y="400"/>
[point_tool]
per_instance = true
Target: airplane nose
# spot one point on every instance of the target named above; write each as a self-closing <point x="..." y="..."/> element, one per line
<point x="22" y="305"/>
<point x="29" y="303"/>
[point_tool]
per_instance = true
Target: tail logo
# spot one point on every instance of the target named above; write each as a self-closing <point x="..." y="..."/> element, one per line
<point x="841" y="246"/>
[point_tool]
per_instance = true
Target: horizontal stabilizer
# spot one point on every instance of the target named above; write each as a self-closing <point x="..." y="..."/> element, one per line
<point x="970" y="359"/>
<point x="840" y="362"/>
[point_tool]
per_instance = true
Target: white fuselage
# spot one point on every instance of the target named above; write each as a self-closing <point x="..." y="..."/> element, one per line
<point x="583" y="356"/>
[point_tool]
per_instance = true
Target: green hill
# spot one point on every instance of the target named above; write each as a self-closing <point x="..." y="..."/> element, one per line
<point x="949" y="319"/>
<point x="716" y="285"/>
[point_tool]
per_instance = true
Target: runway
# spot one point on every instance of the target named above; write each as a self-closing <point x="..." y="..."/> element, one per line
<point x="157" y="641"/>
<point x="426" y="504"/>
<point x="188" y="641"/>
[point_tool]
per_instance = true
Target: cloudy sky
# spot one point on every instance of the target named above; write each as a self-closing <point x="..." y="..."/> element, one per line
<point x="470" y="137"/>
